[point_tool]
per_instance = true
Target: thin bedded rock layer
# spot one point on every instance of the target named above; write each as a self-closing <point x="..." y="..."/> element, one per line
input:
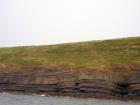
<point x="116" y="83"/>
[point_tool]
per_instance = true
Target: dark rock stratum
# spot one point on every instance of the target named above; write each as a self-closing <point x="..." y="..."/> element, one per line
<point x="114" y="83"/>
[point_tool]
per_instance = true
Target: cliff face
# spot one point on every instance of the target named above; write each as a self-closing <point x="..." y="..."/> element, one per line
<point x="115" y="83"/>
<point x="116" y="65"/>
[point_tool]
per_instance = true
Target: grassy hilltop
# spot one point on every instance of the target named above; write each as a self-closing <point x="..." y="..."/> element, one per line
<point x="83" y="55"/>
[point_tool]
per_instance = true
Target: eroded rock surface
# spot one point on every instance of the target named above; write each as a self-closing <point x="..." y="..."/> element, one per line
<point x="116" y="83"/>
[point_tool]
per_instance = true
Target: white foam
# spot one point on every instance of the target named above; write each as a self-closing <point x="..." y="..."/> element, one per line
<point x="89" y="100"/>
<point x="42" y="95"/>
<point x="67" y="97"/>
<point x="5" y="93"/>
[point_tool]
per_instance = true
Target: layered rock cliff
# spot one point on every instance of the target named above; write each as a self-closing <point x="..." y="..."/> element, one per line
<point x="114" y="83"/>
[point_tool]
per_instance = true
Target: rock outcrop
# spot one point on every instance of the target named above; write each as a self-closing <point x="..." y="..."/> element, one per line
<point x="114" y="83"/>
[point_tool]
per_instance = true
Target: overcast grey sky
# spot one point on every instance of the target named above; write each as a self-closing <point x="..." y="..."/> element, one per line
<point x="35" y="22"/>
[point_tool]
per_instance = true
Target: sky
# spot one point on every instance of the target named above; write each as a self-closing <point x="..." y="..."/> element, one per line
<point x="43" y="22"/>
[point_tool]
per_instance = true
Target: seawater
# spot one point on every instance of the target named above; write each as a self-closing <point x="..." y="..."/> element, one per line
<point x="13" y="99"/>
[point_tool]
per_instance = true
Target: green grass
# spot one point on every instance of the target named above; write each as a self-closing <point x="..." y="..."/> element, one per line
<point x="82" y="55"/>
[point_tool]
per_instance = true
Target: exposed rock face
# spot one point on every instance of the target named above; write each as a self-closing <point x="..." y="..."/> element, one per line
<point x="115" y="83"/>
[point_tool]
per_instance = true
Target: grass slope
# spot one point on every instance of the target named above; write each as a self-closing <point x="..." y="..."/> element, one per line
<point x="82" y="55"/>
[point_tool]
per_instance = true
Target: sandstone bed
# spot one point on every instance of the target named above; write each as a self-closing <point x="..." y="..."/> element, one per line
<point x="113" y="83"/>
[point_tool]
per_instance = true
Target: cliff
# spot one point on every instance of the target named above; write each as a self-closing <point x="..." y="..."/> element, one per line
<point x="90" y="69"/>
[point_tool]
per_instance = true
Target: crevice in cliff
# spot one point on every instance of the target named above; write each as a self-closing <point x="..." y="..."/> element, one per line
<point x="123" y="88"/>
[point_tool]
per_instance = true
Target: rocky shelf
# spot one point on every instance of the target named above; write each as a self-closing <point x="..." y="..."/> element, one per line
<point x="113" y="83"/>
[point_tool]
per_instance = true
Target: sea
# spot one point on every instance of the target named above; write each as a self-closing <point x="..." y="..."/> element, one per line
<point x="18" y="99"/>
